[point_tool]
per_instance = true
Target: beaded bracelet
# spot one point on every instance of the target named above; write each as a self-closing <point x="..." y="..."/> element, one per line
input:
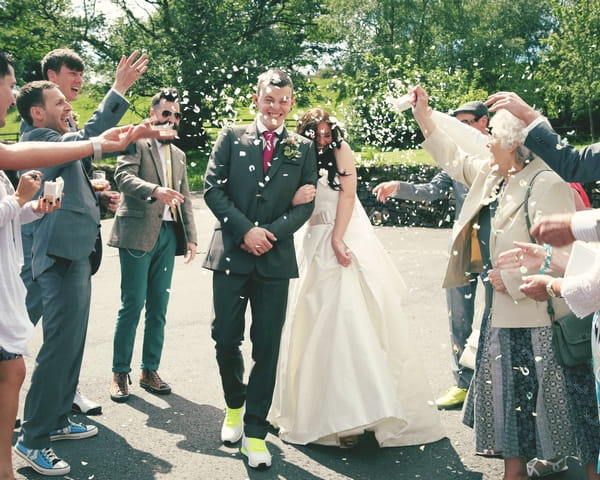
<point x="547" y="259"/>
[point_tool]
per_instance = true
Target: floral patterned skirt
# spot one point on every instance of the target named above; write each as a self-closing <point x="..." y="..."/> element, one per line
<point x="521" y="403"/>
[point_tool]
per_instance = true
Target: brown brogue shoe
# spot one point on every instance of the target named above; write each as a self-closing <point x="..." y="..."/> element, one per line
<point x="119" y="388"/>
<point x="150" y="381"/>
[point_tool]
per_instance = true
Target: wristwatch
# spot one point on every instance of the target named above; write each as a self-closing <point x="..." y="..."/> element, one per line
<point x="550" y="291"/>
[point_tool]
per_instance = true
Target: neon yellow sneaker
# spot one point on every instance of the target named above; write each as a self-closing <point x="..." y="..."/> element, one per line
<point x="233" y="426"/>
<point x="453" y="398"/>
<point x="255" y="449"/>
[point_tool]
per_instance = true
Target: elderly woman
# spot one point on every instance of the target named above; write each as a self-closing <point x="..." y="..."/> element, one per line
<point x="521" y="402"/>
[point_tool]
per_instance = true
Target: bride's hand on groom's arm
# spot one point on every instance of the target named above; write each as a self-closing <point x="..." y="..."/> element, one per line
<point x="304" y="194"/>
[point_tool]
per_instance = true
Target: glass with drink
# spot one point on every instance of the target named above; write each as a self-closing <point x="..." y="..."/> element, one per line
<point x="99" y="181"/>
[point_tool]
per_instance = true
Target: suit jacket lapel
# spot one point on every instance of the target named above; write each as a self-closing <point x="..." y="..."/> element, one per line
<point x="256" y="149"/>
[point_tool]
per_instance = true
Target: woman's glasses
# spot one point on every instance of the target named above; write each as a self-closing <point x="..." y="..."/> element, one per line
<point x="470" y="121"/>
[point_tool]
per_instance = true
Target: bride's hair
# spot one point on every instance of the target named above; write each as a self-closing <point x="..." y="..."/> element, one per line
<point x="307" y="126"/>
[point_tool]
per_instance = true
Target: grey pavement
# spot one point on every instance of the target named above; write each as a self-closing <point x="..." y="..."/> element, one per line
<point x="177" y="436"/>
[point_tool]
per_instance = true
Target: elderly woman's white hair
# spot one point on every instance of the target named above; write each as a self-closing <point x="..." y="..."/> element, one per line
<point x="510" y="131"/>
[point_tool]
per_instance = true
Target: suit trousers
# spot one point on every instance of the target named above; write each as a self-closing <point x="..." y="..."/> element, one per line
<point x="145" y="281"/>
<point x="461" y="310"/>
<point x="268" y="302"/>
<point x="34" y="294"/>
<point x="66" y="290"/>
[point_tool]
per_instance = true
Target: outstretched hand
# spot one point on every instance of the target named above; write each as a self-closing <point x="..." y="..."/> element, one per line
<point x="116" y="139"/>
<point x="385" y="190"/>
<point x="129" y="70"/>
<point x="554" y="229"/>
<point x="526" y="256"/>
<point x="534" y="287"/>
<point x="514" y="104"/>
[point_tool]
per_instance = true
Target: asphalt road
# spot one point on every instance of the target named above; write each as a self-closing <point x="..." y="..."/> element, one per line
<point x="177" y="436"/>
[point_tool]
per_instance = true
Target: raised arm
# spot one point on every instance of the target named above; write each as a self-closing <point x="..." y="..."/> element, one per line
<point x="21" y="156"/>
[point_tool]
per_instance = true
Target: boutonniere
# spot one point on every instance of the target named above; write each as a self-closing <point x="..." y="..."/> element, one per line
<point x="291" y="149"/>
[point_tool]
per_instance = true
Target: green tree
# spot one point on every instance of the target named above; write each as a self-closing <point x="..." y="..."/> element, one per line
<point x="213" y="50"/>
<point x="572" y="63"/>
<point x="31" y="28"/>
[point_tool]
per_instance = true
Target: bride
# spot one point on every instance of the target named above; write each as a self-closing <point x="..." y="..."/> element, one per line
<point x="346" y="363"/>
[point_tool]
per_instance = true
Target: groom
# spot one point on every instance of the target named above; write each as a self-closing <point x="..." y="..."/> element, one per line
<point x="252" y="174"/>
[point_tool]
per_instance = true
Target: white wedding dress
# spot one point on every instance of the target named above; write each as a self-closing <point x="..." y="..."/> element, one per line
<point x="346" y="362"/>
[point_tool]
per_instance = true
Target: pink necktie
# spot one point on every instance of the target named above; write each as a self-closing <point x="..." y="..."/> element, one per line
<point x="269" y="149"/>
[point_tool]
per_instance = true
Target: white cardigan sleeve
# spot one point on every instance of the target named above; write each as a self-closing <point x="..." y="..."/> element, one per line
<point x="582" y="292"/>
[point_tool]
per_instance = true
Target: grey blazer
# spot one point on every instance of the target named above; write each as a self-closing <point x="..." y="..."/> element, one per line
<point x="438" y="187"/>
<point x="139" y="216"/>
<point x="71" y="231"/>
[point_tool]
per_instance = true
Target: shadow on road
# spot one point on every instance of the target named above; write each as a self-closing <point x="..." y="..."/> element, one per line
<point x="368" y="461"/>
<point x="106" y="456"/>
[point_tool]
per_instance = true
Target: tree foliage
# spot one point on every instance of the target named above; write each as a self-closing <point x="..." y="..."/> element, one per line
<point x="571" y="70"/>
<point x="31" y="28"/>
<point x="213" y="50"/>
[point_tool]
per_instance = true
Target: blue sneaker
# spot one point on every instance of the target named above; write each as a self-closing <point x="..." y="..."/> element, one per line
<point x="74" y="431"/>
<point x="43" y="461"/>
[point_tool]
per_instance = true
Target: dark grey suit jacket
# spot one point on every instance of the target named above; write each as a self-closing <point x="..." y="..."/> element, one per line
<point x="107" y="115"/>
<point x="571" y="164"/>
<point x="241" y="197"/>
<point x="71" y="231"/>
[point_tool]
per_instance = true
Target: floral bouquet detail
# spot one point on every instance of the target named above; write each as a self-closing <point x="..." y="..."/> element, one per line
<point x="291" y="149"/>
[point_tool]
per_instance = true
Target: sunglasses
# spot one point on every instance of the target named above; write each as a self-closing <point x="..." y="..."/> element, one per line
<point x="168" y="113"/>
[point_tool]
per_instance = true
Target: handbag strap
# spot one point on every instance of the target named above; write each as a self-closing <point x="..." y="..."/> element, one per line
<point x="526" y="203"/>
<point x="549" y="307"/>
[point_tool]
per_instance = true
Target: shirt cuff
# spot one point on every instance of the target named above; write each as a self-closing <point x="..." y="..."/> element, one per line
<point x="585" y="225"/>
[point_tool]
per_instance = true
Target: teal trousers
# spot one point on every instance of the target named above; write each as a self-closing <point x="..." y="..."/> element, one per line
<point x="145" y="282"/>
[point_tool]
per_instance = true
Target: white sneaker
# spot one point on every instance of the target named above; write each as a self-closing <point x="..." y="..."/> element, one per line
<point x="256" y="451"/>
<point x="537" y="468"/>
<point x="84" y="405"/>
<point x="233" y="425"/>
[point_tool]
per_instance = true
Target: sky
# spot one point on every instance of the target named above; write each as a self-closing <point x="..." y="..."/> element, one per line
<point x="112" y="11"/>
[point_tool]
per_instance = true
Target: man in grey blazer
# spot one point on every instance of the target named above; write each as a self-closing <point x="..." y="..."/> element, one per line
<point x="252" y="174"/>
<point x="65" y="67"/>
<point x="154" y="222"/>
<point x="61" y="267"/>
